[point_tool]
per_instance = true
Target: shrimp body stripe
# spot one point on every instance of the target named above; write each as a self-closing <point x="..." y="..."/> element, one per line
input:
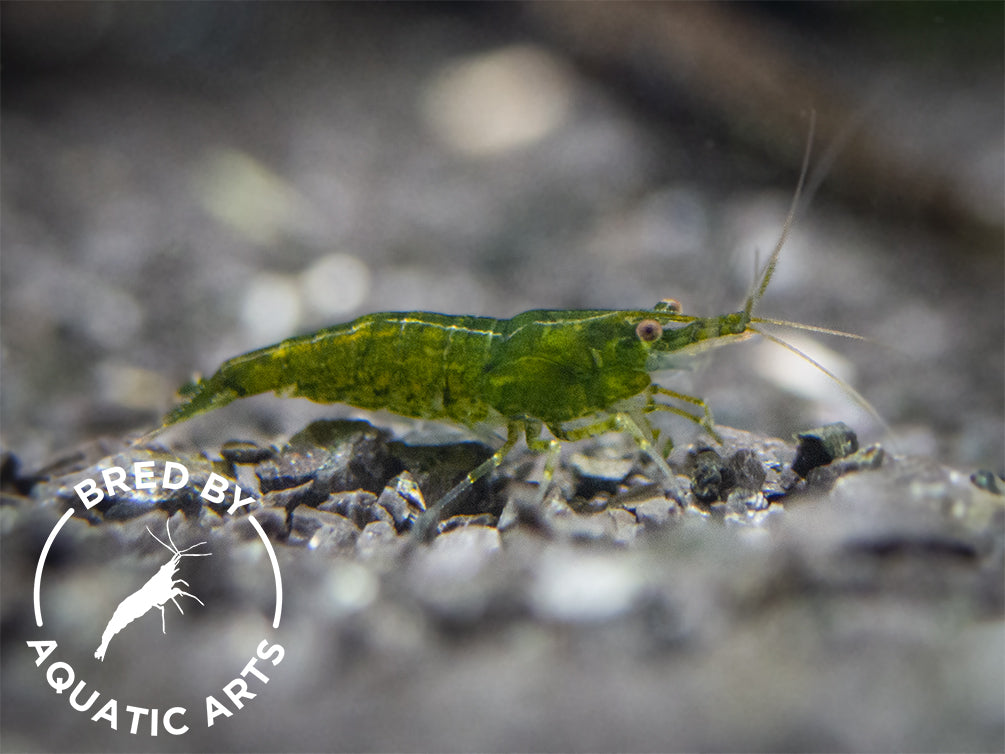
<point x="548" y="365"/>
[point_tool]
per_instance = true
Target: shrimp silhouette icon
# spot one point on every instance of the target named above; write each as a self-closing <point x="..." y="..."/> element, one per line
<point x="160" y="588"/>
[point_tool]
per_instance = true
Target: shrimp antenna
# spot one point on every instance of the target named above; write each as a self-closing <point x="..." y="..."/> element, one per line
<point x="769" y="270"/>
<point x="811" y="328"/>
<point x="860" y="399"/>
<point x="173" y="549"/>
<point x="790" y="219"/>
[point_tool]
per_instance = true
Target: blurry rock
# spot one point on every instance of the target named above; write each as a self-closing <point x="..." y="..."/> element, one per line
<point x="322" y="529"/>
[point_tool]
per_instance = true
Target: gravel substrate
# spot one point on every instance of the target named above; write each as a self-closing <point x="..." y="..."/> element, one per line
<point x="859" y="608"/>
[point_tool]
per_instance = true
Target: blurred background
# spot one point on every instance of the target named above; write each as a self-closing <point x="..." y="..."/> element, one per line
<point x="185" y="182"/>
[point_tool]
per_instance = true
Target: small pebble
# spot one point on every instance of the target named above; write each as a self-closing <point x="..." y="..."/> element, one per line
<point x="289" y="498"/>
<point x="710" y="476"/>
<point x="402" y="499"/>
<point x="245" y="452"/>
<point x="820" y="446"/>
<point x="291" y="469"/>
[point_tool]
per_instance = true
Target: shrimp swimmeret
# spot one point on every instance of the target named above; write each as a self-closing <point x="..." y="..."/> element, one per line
<point x="160" y="588"/>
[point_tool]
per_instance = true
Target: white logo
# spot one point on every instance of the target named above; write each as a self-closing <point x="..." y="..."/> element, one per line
<point x="163" y="586"/>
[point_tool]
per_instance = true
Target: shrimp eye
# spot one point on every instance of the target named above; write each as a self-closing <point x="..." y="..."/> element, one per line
<point x="649" y="330"/>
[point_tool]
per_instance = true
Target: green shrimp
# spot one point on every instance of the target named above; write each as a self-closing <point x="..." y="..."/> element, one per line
<point x="576" y="373"/>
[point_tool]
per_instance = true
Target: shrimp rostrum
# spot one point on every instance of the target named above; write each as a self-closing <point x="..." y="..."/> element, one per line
<point x="160" y="588"/>
<point x="577" y="373"/>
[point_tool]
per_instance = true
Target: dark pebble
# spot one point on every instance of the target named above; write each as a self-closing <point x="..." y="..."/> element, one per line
<point x="823" y="477"/>
<point x="291" y="469"/>
<point x="244" y="452"/>
<point x="11" y="478"/>
<point x="355" y="454"/>
<point x="711" y="477"/>
<point x="302" y="494"/>
<point x="820" y="446"/>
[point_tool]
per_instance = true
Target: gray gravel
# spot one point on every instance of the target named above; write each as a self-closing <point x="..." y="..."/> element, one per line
<point x="855" y="610"/>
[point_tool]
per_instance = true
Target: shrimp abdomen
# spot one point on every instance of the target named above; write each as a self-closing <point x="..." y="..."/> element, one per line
<point x="416" y="364"/>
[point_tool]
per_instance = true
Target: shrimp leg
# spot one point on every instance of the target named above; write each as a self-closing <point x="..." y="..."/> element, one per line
<point x="637" y="426"/>
<point x="620" y="421"/>
<point x="705" y="422"/>
<point x="422" y="530"/>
